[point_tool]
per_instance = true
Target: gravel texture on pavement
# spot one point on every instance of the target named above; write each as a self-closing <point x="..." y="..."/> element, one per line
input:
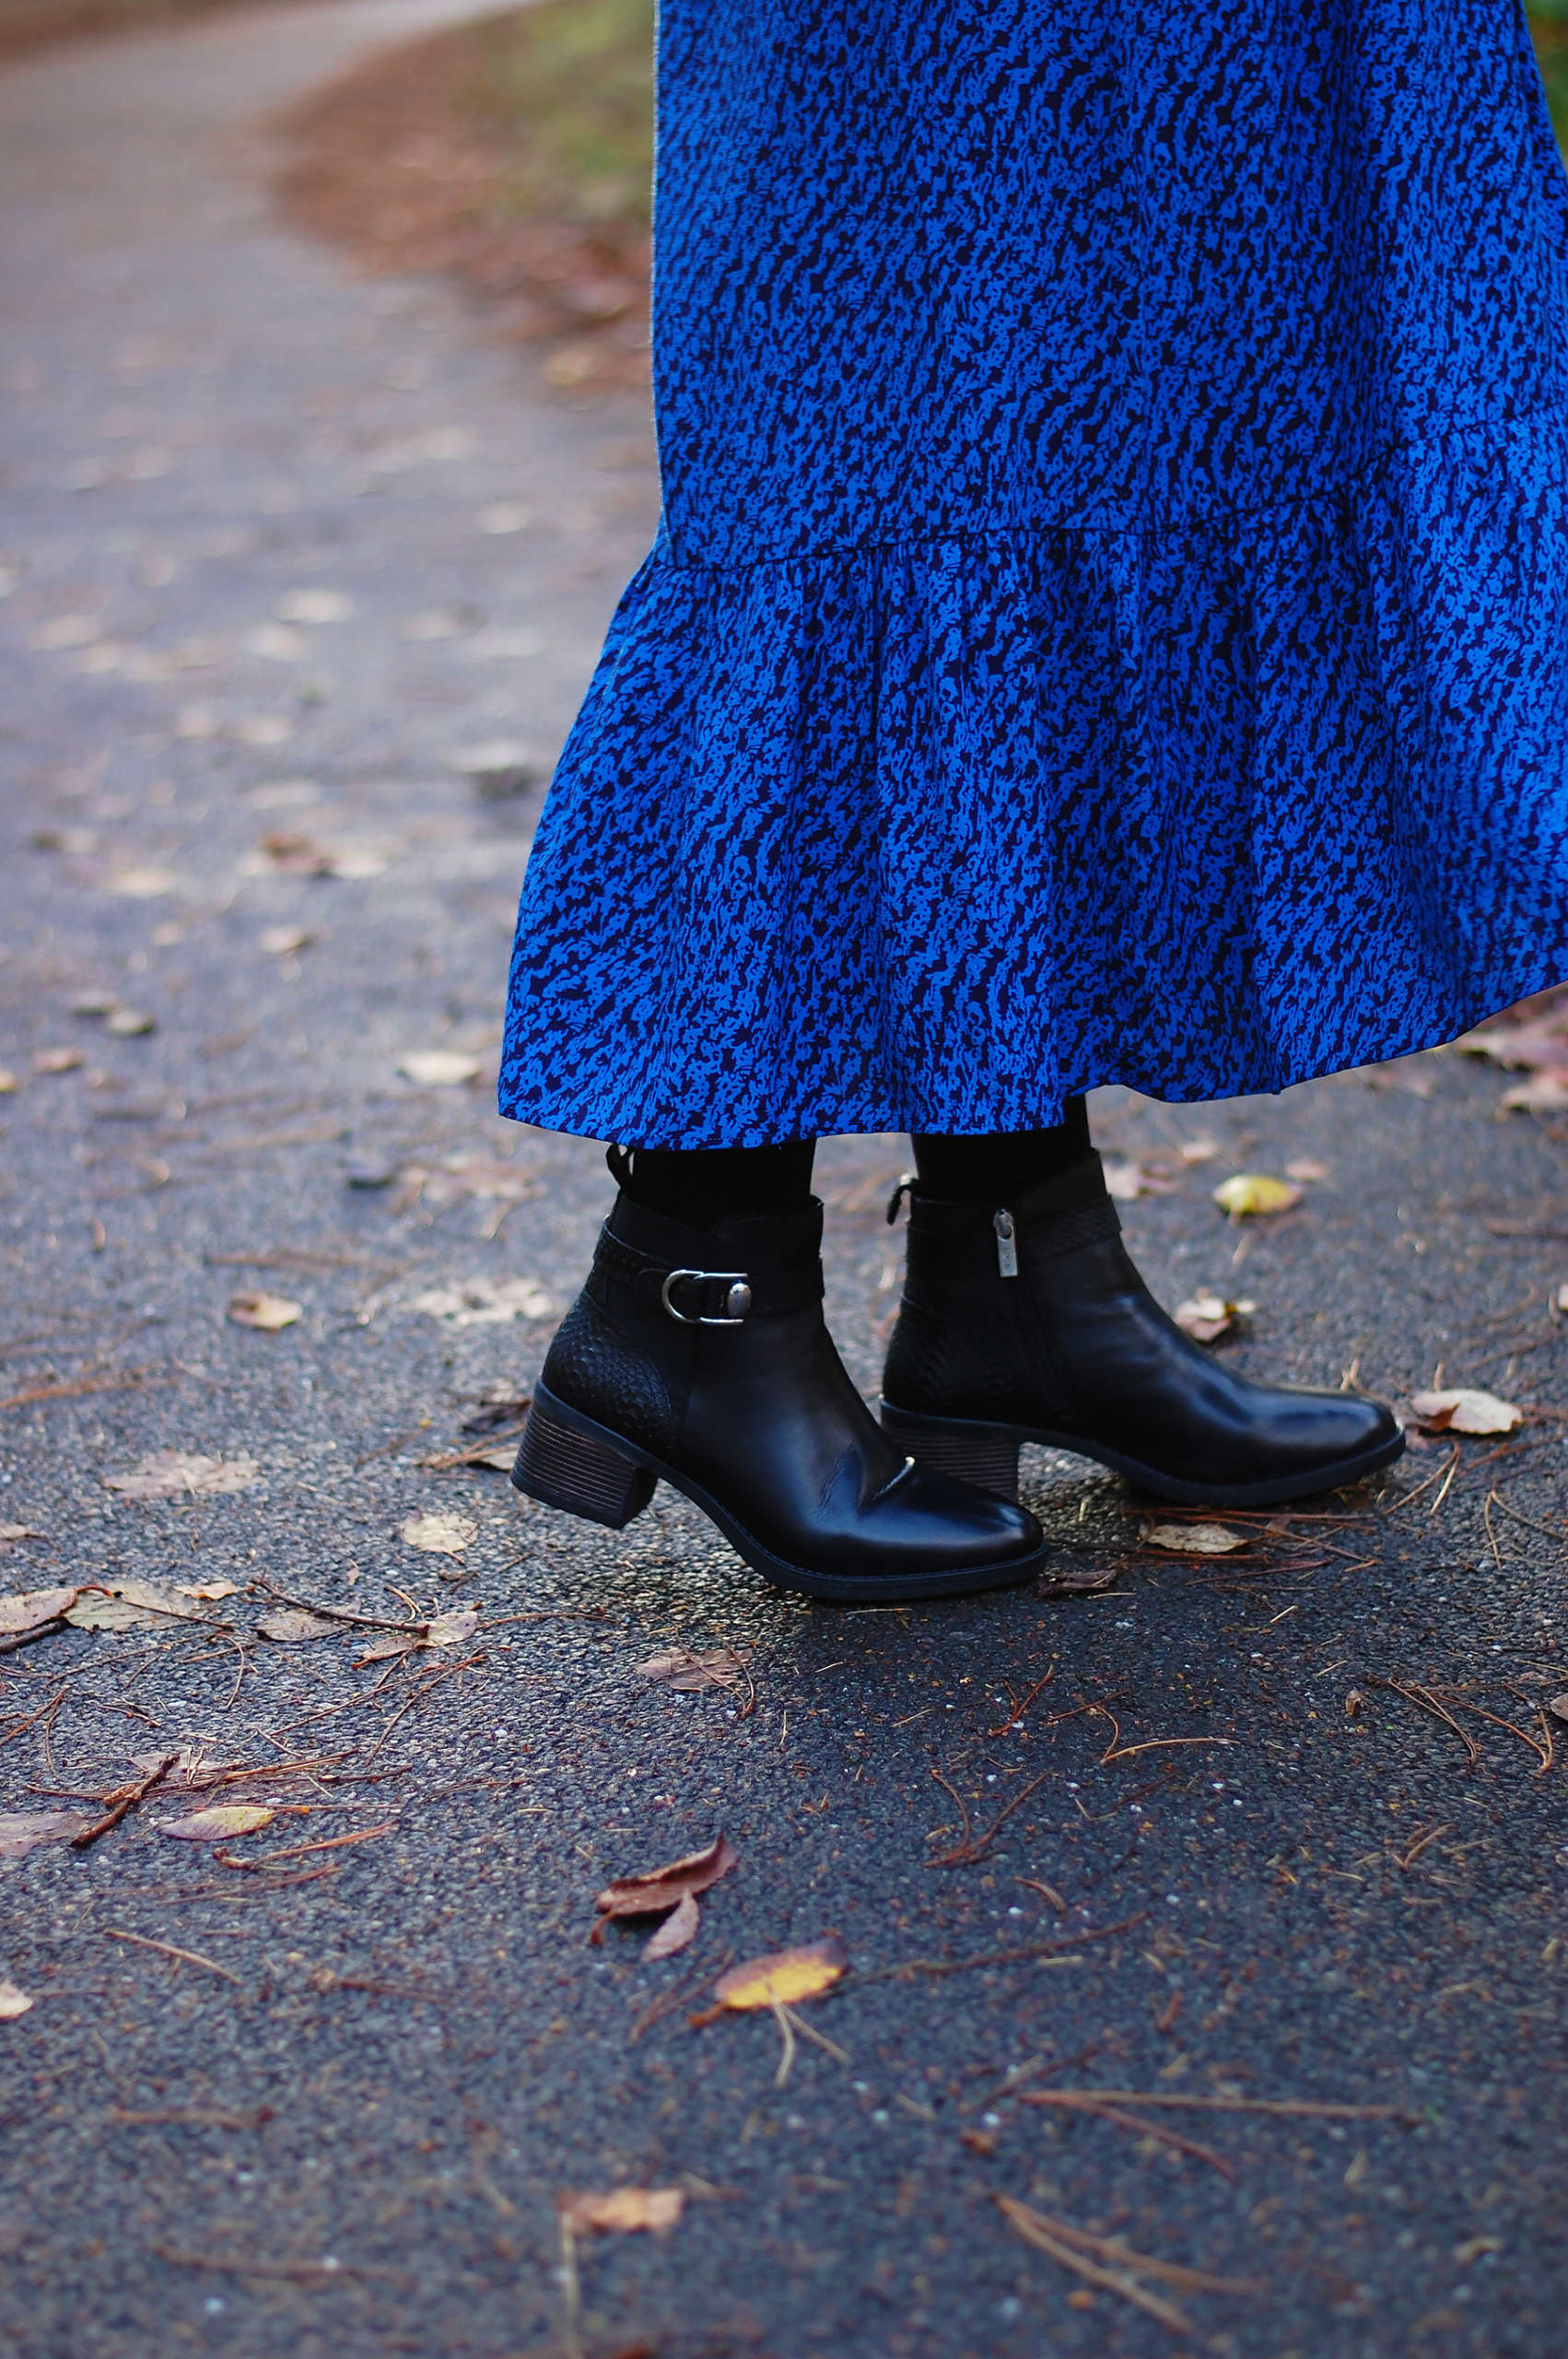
<point x="302" y="580"/>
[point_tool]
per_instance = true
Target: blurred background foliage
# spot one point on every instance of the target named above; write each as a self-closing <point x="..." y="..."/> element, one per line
<point x="571" y="84"/>
<point x="1549" y="23"/>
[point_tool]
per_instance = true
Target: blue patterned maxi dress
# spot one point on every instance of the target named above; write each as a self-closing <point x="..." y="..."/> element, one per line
<point x="1109" y="620"/>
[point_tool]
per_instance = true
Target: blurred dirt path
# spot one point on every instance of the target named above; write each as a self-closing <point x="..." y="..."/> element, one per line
<point x="302" y="583"/>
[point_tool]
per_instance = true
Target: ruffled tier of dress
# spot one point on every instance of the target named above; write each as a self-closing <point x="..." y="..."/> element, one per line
<point x="929" y="836"/>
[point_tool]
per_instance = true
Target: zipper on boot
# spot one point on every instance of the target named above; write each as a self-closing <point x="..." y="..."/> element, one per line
<point x="1006" y="1243"/>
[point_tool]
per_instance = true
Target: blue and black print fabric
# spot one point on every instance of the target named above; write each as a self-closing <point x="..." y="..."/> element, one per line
<point x="1109" y="620"/>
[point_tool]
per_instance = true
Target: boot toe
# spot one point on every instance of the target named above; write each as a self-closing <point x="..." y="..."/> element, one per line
<point x="950" y="1521"/>
<point x="1338" y="1428"/>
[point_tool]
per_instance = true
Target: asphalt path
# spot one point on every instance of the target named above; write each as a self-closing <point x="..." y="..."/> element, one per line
<point x="303" y="577"/>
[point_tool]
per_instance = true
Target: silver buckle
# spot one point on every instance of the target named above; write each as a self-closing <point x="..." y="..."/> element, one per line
<point x="737" y="1302"/>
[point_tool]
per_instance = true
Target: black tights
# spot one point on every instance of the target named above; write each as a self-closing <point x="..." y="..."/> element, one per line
<point x="702" y="1185"/>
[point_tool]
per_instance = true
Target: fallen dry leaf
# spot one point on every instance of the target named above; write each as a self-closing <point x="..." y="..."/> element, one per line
<point x="501" y="1460"/>
<point x="1193" y="1539"/>
<point x="1127" y="1181"/>
<point x="485" y="1302"/>
<point x="677" y="1932"/>
<point x="57" y="1060"/>
<point x="129" y="1023"/>
<point x="1077" y="1581"/>
<point x="218" y="1823"/>
<point x="34" y="1609"/>
<point x="1534" y="1042"/>
<point x="313" y="607"/>
<point x="1558" y="1707"/>
<point x="438" y="1535"/>
<point x="13" y="2002"/>
<point x="659" y="1889"/>
<point x="1544" y="1093"/>
<point x="1253" y="1192"/>
<point x="66" y="630"/>
<point x="656" y="2208"/>
<point x="9" y="1085"/>
<point x="184" y="1473"/>
<point x="208" y="1593"/>
<point x="10" y="1531"/>
<point x="22" y="1831"/>
<point x="291" y="1625"/>
<point x="390" y="1644"/>
<point x="142" y="884"/>
<point x="444" y="1630"/>
<point x="452" y="1629"/>
<point x="1207" y="1317"/>
<point x="1474" y="2246"/>
<point x="785" y="1977"/>
<point x="692" y="1675"/>
<point x="293" y="852"/>
<point x="130" y="1605"/>
<point x="285" y="941"/>
<point x="354" y="859"/>
<point x="439" y="1068"/>
<point x="276" y="643"/>
<point x="1465" y="1412"/>
<point x="457" y="1176"/>
<point x="1306" y="1168"/>
<point x="270" y="1313"/>
<point x="1198" y="1150"/>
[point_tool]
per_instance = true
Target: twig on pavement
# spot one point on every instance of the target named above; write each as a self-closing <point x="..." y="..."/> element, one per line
<point x="167" y="1949"/>
<point x="119" y="1803"/>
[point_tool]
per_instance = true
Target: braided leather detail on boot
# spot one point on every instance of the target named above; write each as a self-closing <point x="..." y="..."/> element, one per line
<point x="1068" y="1232"/>
<point x="935" y="1361"/>
<point x="591" y="1369"/>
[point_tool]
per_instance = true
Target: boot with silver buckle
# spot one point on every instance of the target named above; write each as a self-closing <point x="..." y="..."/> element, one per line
<point x="701" y="1357"/>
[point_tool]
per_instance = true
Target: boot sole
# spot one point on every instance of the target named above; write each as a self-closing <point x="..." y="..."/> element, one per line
<point x="987" y="1456"/>
<point x="567" y="1460"/>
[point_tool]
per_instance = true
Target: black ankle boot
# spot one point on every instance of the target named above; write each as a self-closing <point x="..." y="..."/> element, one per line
<point x="701" y="1356"/>
<point x="1029" y="1322"/>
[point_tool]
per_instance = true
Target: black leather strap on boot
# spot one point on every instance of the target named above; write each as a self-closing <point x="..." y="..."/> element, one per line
<point x="1028" y="1322"/>
<point x="701" y="1357"/>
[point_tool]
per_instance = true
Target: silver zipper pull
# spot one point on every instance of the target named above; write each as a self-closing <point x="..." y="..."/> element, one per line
<point x="1006" y="1244"/>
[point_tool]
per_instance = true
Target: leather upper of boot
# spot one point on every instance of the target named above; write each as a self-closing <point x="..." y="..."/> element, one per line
<point x="761" y="1412"/>
<point x="1076" y="1345"/>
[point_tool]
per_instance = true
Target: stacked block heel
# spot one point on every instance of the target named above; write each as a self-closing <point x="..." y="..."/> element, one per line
<point x="566" y="1465"/>
<point x="977" y="1455"/>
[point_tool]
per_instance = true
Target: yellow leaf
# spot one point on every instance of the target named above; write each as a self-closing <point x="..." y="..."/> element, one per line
<point x="658" y="2208"/>
<point x="1251" y="1192"/>
<point x="784" y="1978"/>
<point x="1207" y="1317"/>
<point x="218" y="1825"/>
<point x="269" y="1312"/>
